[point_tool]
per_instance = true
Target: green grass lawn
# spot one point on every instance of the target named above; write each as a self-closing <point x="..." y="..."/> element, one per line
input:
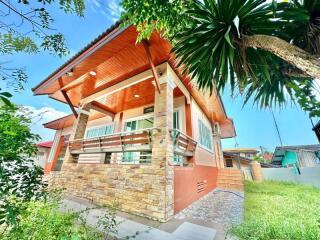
<point x="277" y="210"/>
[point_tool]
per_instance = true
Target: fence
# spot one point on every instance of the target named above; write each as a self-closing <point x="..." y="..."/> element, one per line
<point x="309" y="175"/>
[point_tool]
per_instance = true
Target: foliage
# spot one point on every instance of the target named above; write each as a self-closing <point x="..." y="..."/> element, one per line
<point x="4" y="98"/>
<point x="208" y="43"/>
<point x="26" y="27"/>
<point x="147" y="17"/>
<point x="44" y="220"/>
<point x="278" y="210"/>
<point x="20" y="178"/>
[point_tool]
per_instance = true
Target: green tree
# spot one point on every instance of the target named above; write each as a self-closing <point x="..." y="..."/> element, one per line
<point x="20" y="178"/>
<point x="265" y="50"/>
<point x="28" y="27"/>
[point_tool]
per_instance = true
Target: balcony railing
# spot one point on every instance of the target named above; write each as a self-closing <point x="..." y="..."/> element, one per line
<point x="183" y="144"/>
<point x="134" y="141"/>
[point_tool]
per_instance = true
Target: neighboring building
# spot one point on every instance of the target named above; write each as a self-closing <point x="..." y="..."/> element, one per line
<point x="232" y="160"/>
<point x="43" y="153"/>
<point x="297" y="156"/>
<point x="267" y="157"/>
<point x="143" y="135"/>
<point x="243" y="152"/>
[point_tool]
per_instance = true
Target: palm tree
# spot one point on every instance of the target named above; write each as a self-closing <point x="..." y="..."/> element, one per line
<point x="267" y="50"/>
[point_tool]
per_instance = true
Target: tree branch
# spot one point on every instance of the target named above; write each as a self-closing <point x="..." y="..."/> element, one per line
<point x="297" y="57"/>
<point x="39" y="26"/>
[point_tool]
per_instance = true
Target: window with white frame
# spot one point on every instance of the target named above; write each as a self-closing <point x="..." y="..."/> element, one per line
<point x="99" y="131"/>
<point x="205" y="136"/>
<point x="139" y="124"/>
<point x="132" y="125"/>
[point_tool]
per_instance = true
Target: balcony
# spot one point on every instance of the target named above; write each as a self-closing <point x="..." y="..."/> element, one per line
<point x="133" y="141"/>
<point x="183" y="144"/>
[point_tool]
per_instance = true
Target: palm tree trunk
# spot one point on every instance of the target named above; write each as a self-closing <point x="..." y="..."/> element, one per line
<point x="292" y="54"/>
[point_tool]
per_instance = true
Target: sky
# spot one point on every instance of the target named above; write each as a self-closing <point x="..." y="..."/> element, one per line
<point x="254" y="127"/>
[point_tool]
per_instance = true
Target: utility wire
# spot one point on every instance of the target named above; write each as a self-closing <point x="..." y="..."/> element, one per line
<point x="277" y="128"/>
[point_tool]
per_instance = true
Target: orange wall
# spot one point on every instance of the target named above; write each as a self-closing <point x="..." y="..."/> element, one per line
<point x="191" y="183"/>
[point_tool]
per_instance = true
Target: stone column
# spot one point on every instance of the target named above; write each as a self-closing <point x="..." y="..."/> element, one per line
<point x="218" y="151"/>
<point x="78" y="130"/>
<point x="256" y="171"/>
<point x="162" y="146"/>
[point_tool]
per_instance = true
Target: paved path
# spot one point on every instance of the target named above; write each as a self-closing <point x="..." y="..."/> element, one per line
<point x="205" y="219"/>
<point x="129" y="229"/>
<point x="221" y="206"/>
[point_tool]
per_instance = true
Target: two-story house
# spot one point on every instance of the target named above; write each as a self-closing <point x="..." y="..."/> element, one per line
<point x="140" y="134"/>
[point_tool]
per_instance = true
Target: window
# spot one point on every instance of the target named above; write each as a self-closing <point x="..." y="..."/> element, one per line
<point x="99" y="131"/>
<point x="139" y="124"/>
<point x="205" y="137"/>
<point x="176" y="120"/>
<point x="179" y="160"/>
<point x="229" y="163"/>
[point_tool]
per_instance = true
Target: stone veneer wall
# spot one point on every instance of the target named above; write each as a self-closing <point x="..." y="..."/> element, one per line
<point x="145" y="190"/>
<point x="137" y="189"/>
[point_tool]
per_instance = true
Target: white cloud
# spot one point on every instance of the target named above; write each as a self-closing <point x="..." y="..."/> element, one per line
<point x="40" y="116"/>
<point x="110" y="8"/>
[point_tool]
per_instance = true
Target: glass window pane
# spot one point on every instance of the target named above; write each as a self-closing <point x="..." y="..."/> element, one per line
<point x="205" y="138"/>
<point x="145" y="123"/>
<point x="176" y="120"/>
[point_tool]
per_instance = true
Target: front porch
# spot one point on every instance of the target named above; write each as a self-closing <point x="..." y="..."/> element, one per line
<point x="123" y="124"/>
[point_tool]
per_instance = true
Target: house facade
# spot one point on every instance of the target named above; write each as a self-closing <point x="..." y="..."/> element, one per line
<point x="243" y="152"/>
<point x="141" y="134"/>
<point x="43" y="151"/>
<point x="297" y="157"/>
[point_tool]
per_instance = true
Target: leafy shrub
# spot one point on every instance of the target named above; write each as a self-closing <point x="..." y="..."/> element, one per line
<point x="44" y="220"/>
<point x="282" y="211"/>
<point x="19" y="176"/>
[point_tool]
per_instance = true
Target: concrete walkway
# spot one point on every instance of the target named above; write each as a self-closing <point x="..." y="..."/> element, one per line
<point x="187" y="225"/>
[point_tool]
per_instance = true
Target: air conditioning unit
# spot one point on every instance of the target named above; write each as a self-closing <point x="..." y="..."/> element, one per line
<point x="216" y="129"/>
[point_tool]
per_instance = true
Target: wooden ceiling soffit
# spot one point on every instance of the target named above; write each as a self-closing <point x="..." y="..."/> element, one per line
<point x="146" y="75"/>
<point x="100" y="107"/>
<point x="88" y="86"/>
<point x="146" y="46"/>
<point x="106" y="39"/>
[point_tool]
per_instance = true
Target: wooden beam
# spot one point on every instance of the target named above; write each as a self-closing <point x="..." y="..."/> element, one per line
<point x="109" y="89"/>
<point x="100" y="107"/>
<point x="153" y="68"/>
<point x="71" y="86"/>
<point x="65" y="95"/>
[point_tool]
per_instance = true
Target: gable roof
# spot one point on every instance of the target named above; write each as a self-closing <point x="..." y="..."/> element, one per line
<point x="47" y="144"/>
<point x="115" y="56"/>
<point x="78" y="54"/>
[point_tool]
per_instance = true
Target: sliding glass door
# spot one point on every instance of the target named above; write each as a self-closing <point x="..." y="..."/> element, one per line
<point x="133" y="125"/>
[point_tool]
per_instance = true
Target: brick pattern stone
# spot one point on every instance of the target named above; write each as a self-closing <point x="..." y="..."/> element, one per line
<point x="78" y="131"/>
<point x="162" y="149"/>
<point x="231" y="179"/>
<point x="145" y="190"/>
<point x="137" y="189"/>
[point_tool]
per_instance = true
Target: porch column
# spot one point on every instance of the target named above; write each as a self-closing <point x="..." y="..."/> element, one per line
<point x="78" y="130"/>
<point x="162" y="146"/>
<point x="189" y="129"/>
<point x="218" y="151"/>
